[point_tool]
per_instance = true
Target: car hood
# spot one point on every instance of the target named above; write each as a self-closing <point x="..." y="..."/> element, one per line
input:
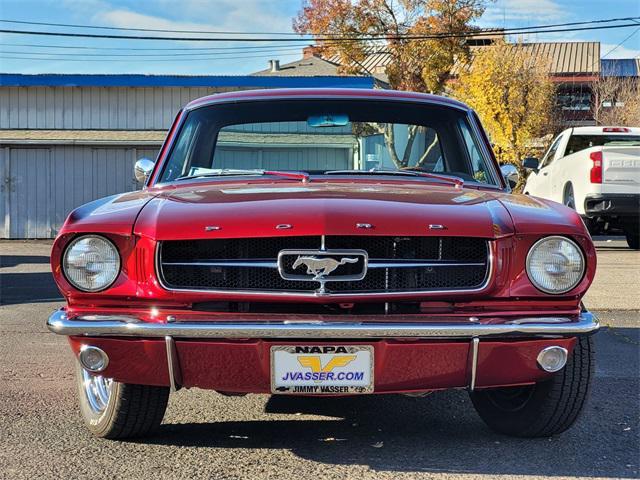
<point x="115" y="214"/>
<point x="226" y="210"/>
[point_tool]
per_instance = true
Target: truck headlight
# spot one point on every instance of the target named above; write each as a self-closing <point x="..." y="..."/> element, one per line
<point x="555" y="264"/>
<point x="91" y="263"/>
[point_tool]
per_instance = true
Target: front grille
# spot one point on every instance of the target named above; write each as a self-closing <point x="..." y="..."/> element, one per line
<point x="250" y="264"/>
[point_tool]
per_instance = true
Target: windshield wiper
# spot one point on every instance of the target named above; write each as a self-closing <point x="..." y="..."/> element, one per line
<point x="408" y="171"/>
<point x="457" y="181"/>
<point x="221" y="172"/>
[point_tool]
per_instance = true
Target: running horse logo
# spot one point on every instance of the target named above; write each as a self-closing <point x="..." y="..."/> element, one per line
<point x="321" y="267"/>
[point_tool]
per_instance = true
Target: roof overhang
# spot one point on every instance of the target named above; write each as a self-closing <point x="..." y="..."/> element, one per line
<point x="208" y="81"/>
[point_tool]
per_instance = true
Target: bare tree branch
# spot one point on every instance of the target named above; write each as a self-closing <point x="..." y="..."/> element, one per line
<point x="425" y="155"/>
<point x="390" y="141"/>
<point x="412" y="134"/>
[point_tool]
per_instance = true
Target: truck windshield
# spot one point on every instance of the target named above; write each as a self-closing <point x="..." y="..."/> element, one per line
<point x="582" y="142"/>
<point x="328" y="136"/>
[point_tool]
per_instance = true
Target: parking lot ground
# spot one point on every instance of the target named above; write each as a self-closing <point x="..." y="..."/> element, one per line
<point x="207" y="435"/>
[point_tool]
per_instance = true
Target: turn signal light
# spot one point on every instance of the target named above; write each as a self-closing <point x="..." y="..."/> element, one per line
<point x="552" y="359"/>
<point x="93" y="358"/>
<point x="596" y="169"/>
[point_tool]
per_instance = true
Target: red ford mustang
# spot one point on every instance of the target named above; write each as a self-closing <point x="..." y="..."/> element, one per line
<point x="327" y="242"/>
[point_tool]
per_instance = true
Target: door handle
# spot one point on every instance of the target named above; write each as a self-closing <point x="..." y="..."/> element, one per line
<point x="545" y="173"/>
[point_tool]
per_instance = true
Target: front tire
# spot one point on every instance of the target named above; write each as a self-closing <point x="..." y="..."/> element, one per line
<point x="544" y="409"/>
<point x="117" y="410"/>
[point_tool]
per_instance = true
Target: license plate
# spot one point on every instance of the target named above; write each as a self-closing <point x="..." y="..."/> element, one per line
<point x="321" y="369"/>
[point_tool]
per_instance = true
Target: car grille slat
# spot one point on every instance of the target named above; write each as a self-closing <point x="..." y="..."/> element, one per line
<point x="250" y="264"/>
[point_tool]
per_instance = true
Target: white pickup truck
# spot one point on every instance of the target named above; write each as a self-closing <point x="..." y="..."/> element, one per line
<point x="596" y="171"/>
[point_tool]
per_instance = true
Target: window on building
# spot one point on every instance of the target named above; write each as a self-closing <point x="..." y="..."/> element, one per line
<point x="574" y="100"/>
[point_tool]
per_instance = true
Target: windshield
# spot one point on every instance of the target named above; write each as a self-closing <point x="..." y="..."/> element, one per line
<point x="582" y="142"/>
<point x="332" y="137"/>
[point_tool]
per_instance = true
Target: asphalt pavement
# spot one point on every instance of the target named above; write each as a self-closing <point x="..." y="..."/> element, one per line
<point x="207" y="435"/>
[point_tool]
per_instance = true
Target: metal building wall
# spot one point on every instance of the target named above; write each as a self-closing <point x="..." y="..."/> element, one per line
<point x="283" y="158"/>
<point x="44" y="183"/>
<point x="83" y="108"/>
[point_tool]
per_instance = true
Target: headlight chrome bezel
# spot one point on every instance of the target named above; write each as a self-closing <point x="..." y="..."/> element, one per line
<point x="80" y="287"/>
<point x="531" y="252"/>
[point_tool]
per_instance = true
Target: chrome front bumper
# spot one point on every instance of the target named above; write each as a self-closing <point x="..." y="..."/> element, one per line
<point x="130" y="326"/>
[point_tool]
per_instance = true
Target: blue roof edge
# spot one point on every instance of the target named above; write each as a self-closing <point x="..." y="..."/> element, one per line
<point x="135" y="80"/>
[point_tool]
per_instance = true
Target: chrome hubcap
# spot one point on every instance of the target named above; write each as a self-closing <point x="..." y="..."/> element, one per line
<point x="97" y="390"/>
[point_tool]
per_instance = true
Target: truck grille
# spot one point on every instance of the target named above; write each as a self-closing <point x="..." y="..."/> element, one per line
<point x="395" y="264"/>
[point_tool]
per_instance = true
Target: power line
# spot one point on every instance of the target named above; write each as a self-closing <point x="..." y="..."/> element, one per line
<point x="179" y="59"/>
<point x="622" y="42"/>
<point x="161" y="49"/>
<point x="283" y="50"/>
<point x="159" y="30"/>
<point x="330" y="38"/>
<point x="235" y="32"/>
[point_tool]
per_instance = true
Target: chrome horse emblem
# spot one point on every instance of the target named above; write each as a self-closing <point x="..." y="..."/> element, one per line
<point x="321" y="267"/>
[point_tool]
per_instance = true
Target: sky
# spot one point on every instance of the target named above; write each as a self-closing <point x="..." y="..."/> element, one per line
<point x="244" y="16"/>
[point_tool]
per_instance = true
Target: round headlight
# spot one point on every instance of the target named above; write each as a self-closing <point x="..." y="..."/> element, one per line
<point x="91" y="263"/>
<point x="555" y="265"/>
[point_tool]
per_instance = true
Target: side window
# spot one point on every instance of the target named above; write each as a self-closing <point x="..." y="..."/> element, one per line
<point x="548" y="158"/>
<point x="478" y="165"/>
<point x="180" y="156"/>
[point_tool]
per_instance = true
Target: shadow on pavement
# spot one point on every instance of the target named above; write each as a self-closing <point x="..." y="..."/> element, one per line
<point x="15" y="260"/>
<point x="442" y="433"/>
<point x="28" y="287"/>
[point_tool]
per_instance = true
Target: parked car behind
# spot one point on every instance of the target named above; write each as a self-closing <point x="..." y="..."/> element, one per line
<point x="596" y="171"/>
<point x="398" y="261"/>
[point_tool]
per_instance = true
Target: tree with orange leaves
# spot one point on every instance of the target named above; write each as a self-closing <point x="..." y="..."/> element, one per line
<point x="345" y="27"/>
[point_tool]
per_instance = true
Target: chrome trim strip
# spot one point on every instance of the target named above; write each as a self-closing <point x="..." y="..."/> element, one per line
<point x="175" y="374"/>
<point x="378" y="263"/>
<point x="474" y="363"/>
<point x="227" y="263"/>
<point x="585" y="324"/>
<point x="395" y="264"/>
<point x="491" y="247"/>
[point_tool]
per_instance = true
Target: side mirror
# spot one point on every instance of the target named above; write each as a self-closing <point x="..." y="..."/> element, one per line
<point x="510" y="174"/>
<point x="530" y="163"/>
<point x="143" y="169"/>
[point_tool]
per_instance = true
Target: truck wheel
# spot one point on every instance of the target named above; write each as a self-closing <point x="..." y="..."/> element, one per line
<point x="544" y="409"/>
<point x="633" y="240"/>
<point x="569" y="198"/>
<point x="119" y="410"/>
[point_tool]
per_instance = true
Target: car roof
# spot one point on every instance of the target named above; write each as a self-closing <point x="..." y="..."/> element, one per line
<point x="599" y="130"/>
<point x="325" y="93"/>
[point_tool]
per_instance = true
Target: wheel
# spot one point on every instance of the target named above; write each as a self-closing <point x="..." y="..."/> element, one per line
<point x="633" y="240"/>
<point x="112" y="409"/>
<point x="569" y="198"/>
<point x="544" y="409"/>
